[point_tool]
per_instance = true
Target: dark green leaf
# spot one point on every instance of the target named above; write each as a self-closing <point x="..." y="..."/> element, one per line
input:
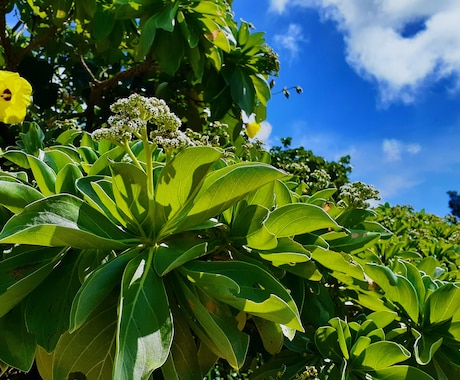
<point x="145" y="327"/>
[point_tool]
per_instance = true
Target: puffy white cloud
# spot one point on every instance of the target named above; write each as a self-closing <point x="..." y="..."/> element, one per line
<point x="394" y="149"/>
<point x="379" y="47"/>
<point x="291" y="39"/>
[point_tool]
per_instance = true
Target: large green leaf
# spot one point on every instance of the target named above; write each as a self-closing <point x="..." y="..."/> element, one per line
<point x="43" y="174"/>
<point x="246" y="287"/>
<point x="397" y="288"/>
<point x="129" y="185"/>
<point x="442" y="304"/>
<point x="96" y="288"/>
<point x="380" y="355"/>
<point x="401" y="372"/>
<point x="23" y="272"/>
<point x="145" y="326"/>
<point x="181" y="179"/>
<point x="213" y="327"/>
<point x="224" y="187"/>
<point x="15" y="195"/>
<point x="47" y="309"/>
<point x="98" y="193"/>
<point x="63" y="220"/>
<point x="298" y="218"/>
<point x="88" y="353"/>
<point x="173" y="254"/>
<point x="18" y="344"/>
<point x="243" y="91"/>
<point x="287" y="252"/>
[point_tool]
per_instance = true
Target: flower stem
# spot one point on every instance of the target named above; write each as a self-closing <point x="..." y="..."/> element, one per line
<point x="132" y="155"/>
<point x="148" y="162"/>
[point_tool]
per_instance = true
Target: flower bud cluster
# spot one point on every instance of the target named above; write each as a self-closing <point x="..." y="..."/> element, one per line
<point x="132" y="115"/>
<point x="356" y="194"/>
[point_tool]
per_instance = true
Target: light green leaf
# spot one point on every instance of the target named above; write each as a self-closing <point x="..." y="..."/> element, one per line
<point x="224" y="187"/>
<point x="287" y="252"/>
<point x="271" y="335"/>
<point x="401" y="372"/>
<point x="99" y="194"/>
<point x="380" y="355"/>
<point x="337" y="262"/>
<point x="262" y="88"/>
<point x="63" y="220"/>
<point x="343" y="335"/>
<point x="43" y="174"/>
<point x="182" y="177"/>
<point x="298" y="218"/>
<point x="326" y="340"/>
<point x="145" y="327"/>
<point x="129" y="185"/>
<point x="65" y="179"/>
<point x="214" y="329"/>
<point x="23" y="272"/>
<point x="442" y="304"/>
<point x="89" y="351"/>
<point x="15" y="195"/>
<point x="397" y="289"/>
<point x="246" y="287"/>
<point x="175" y="253"/>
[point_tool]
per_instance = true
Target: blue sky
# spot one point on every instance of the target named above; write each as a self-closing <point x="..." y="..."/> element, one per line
<point x="381" y="83"/>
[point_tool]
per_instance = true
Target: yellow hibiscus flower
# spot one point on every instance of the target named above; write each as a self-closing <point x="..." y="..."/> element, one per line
<point x="15" y="93"/>
<point x="252" y="129"/>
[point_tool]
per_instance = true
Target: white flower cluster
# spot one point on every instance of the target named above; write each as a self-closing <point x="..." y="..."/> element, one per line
<point x="170" y="140"/>
<point x="355" y="194"/>
<point x="132" y="114"/>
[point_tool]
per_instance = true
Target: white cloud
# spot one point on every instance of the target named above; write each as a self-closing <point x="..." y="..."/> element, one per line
<point x="377" y="47"/>
<point x="291" y="39"/>
<point x="394" y="149"/>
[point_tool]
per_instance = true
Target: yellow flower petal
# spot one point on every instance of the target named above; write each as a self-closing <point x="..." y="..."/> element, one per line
<point x="15" y="93"/>
<point x="252" y="129"/>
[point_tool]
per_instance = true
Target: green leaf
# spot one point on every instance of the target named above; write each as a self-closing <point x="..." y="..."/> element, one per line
<point x="43" y="174"/>
<point x="99" y="194"/>
<point x="97" y="287"/>
<point x="145" y="327"/>
<point x="380" y="355"/>
<point x="215" y="330"/>
<point x="15" y="195"/>
<point x="442" y="304"/>
<point x="343" y="335"/>
<point x="224" y="187"/>
<point x="17" y="157"/>
<point x="243" y="91"/>
<point x="298" y="218"/>
<point x="425" y="346"/>
<point x="18" y="344"/>
<point x="102" y="24"/>
<point x="401" y="372"/>
<point x="326" y="340"/>
<point x="287" y="252"/>
<point x="262" y="88"/>
<point x="22" y="273"/>
<point x="397" y="289"/>
<point x="89" y="351"/>
<point x="129" y="185"/>
<point x="169" y="59"/>
<point x="173" y="254"/>
<point x="47" y="309"/>
<point x="246" y="287"/>
<point x="182" y="177"/>
<point x="337" y="262"/>
<point x="63" y="220"/>
<point x="271" y="335"/>
<point x="66" y="178"/>
<point x="148" y="33"/>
